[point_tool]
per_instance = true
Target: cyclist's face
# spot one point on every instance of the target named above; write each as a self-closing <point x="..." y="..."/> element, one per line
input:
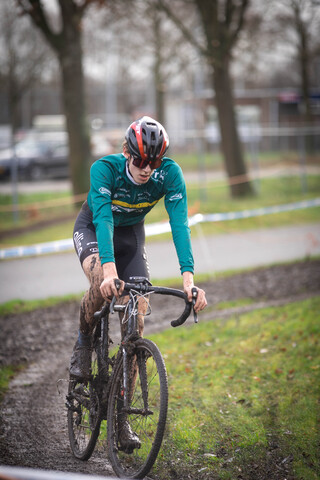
<point x="140" y="175"/>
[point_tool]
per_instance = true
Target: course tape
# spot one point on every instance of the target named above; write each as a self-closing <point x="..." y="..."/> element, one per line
<point x="161" y="227"/>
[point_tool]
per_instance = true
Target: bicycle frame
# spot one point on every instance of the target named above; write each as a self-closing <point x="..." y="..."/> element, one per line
<point x="103" y="332"/>
<point x="129" y="389"/>
<point x="132" y="333"/>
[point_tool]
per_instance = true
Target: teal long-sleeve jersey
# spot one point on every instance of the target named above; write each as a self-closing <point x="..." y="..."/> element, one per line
<point x="116" y="200"/>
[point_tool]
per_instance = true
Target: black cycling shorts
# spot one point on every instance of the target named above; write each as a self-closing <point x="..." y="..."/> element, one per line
<point x="128" y="242"/>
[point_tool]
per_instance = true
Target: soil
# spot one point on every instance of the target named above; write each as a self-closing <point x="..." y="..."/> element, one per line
<point x="33" y="430"/>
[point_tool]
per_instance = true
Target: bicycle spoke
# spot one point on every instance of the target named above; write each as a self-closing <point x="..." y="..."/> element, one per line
<point x="83" y="415"/>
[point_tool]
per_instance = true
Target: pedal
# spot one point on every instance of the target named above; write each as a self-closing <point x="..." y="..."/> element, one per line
<point x="72" y="407"/>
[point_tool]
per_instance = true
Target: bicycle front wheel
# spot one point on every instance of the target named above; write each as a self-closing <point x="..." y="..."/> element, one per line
<point x="146" y="414"/>
<point x="84" y="412"/>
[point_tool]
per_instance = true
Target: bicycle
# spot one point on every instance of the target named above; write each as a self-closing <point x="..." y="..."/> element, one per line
<point x="129" y="385"/>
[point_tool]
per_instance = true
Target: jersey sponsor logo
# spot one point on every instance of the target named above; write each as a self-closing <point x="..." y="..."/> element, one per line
<point x="114" y="208"/>
<point x="78" y="237"/>
<point x="121" y="195"/>
<point x="145" y="257"/>
<point x="177" y="196"/>
<point x="159" y="175"/>
<point x="135" y="206"/>
<point x="104" y="191"/>
<point x="143" y="195"/>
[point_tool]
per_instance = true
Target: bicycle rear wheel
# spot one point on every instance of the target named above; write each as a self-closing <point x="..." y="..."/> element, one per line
<point x="84" y="412"/>
<point x="146" y="415"/>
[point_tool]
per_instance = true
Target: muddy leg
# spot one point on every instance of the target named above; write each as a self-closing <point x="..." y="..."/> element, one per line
<point x="92" y="299"/>
<point x="80" y="362"/>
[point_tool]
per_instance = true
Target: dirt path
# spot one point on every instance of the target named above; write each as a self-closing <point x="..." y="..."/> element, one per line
<point x="33" y="417"/>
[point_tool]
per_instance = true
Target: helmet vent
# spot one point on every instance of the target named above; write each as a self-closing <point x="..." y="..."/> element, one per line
<point x="147" y="138"/>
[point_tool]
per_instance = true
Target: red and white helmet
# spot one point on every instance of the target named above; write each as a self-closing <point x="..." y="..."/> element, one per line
<point x="147" y="140"/>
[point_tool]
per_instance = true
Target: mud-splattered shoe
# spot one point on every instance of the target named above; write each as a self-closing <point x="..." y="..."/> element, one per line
<point x="80" y="362"/>
<point x="128" y="439"/>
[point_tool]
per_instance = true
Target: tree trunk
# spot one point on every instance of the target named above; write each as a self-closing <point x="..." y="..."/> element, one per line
<point x="305" y="84"/>
<point x="230" y="142"/>
<point x="157" y="70"/>
<point x="76" y="120"/>
<point x="67" y="45"/>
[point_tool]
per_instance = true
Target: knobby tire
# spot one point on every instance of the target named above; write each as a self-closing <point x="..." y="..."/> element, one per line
<point x="84" y="411"/>
<point x="151" y="388"/>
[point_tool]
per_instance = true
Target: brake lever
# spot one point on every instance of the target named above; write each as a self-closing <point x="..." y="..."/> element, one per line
<point x="112" y="304"/>
<point x="194" y="299"/>
<point x="114" y="298"/>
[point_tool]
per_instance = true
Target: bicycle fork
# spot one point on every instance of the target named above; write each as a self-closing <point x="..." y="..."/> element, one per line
<point x="129" y="356"/>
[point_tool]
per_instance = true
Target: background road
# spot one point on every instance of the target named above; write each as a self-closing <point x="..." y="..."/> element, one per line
<point x="61" y="274"/>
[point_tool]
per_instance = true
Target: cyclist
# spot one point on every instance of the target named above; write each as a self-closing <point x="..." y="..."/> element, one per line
<point x="109" y="232"/>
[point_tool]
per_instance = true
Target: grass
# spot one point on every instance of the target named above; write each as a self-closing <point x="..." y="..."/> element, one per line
<point x="6" y="374"/>
<point x="213" y="198"/>
<point x="244" y="396"/>
<point x="214" y="160"/>
<point x="35" y="212"/>
<point x="15" y="307"/>
<point x="59" y="231"/>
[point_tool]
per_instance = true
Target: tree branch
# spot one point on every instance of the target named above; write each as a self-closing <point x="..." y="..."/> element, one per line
<point x="241" y="16"/>
<point x="35" y="10"/>
<point x="184" y="30"/>
<point x="87" y="3"/>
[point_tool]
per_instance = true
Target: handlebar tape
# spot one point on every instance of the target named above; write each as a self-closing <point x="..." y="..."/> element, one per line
<point x="167" y="291"/>
<point x="143" y="288"/>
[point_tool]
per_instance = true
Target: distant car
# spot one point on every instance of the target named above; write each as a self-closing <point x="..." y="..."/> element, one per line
<point x="36" y="160"/>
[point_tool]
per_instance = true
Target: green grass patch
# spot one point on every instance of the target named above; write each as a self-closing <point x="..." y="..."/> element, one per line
<point x="242" y="302"/>
<point x="60" y="231"/>
<point x="215" y="196"/>
<point x="23" y="306"/>
<point x="35" y="197"/>
<point x="214" y="160"/>
<point x="36" y="207"/>
<point x="190" y="162"/>
<point x="244" y="396"/>
<point x="6" y="374"/>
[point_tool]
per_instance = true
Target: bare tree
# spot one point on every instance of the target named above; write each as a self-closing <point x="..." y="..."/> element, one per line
<point x="299" y="22"/>
<point x="67" y="45"/>
<point x="170" y="54"/>
<point x="22" y="60"/>
<point x="158" y="70"/>
<point x="222" y="22"/>
<point x="150" y="50"/>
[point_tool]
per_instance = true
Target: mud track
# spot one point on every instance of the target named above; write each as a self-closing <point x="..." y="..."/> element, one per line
<point x="33" y="429"/>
